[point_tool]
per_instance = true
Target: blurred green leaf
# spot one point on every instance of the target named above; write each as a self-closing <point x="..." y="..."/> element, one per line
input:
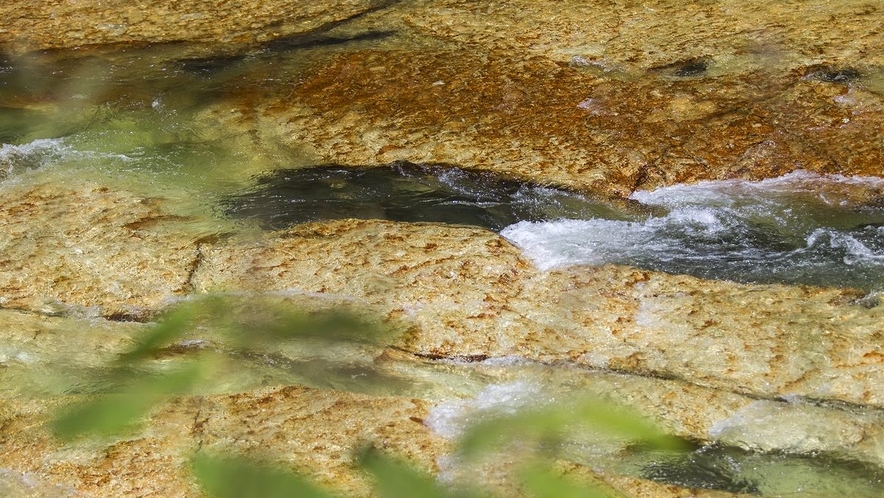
<point x="112" y="413"/>
<point x="247" y="330"/>
<point x="539" y="481"/>
<point x="276" y="324"/>
<point x="249" y="478"/>
<point x="106" y="415"/>
<point x="552" y="423"/>
<point x="169" y="328"/>
<point x="395" y="479"/>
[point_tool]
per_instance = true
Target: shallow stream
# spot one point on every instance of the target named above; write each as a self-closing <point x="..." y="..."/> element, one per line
<point x="139" y="119"/>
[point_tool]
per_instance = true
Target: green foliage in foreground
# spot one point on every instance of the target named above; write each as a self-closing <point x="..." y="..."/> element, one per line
<point x="553" y="423"/>
<point x="138" y="387"/>
<point x="250" y="478"/>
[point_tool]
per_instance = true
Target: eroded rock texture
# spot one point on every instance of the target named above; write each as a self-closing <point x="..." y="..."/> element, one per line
<point x="604" y="97"/>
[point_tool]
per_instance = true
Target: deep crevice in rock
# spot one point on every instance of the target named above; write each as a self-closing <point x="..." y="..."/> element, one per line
<point x="404" y="191"/>
<point x="317" y="37"/>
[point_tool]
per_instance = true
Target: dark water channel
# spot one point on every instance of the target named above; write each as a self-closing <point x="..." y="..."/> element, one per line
<point x="136" y="115"/>
<point x="738" y="471"/>
<point x="799" y="229"/>
<point x="404" y="191"/>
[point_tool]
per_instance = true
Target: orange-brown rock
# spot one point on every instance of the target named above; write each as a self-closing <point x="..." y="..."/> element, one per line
<point x="472" y="295"/>
<point x="533" y="117"/>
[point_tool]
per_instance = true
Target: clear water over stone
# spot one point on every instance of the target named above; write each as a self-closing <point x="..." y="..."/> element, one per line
<point x="707" y="466"/>
<point x="132" y="119"/>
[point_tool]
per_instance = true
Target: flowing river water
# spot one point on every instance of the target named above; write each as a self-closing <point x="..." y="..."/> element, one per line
<point x="132" y="119"/>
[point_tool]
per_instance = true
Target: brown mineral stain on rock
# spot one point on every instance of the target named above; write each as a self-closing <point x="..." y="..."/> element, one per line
<point x="534" y="118"/>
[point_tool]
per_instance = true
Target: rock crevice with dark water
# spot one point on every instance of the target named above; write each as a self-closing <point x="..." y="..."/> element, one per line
<point x="779" y="231"/>
<point x="404" y="191"/>
<point x="676" y="207"/>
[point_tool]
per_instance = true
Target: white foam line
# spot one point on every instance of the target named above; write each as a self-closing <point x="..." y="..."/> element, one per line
<point x="716" y="222"/>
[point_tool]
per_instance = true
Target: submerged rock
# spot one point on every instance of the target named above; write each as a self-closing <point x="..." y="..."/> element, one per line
<point x="685" y="68"/>
<point x="829" y="74"/>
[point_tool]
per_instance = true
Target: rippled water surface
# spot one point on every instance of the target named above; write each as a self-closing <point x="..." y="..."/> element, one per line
<point x="410" y="192"/>
<point x="138" y="118"/>
<point x="800" y="228"/>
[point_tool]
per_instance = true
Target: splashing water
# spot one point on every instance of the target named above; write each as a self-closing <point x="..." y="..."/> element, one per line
<point x="33" y="155"/>
<point x="801" y="228"/>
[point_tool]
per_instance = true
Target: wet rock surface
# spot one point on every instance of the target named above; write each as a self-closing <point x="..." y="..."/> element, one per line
<point x="548" y="121"/>
<point x="610" y="99"/>
<point x="598" y="97"/>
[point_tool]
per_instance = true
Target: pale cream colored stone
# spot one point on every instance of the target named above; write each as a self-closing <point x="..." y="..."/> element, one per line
<point x="472" y="295"/>
<point x="316" y="430"/>
<point x="83" y="248"/>
<point x="586" y="95"/>
<point x="796" y="343"/>
<point x="62" y="24"/>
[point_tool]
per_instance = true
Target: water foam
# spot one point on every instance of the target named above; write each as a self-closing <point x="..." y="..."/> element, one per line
<point x="799" y="228"/>
<point x="33" y="155"/>
<point x="450" y="419"/>
<point x="47" y="152"/>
